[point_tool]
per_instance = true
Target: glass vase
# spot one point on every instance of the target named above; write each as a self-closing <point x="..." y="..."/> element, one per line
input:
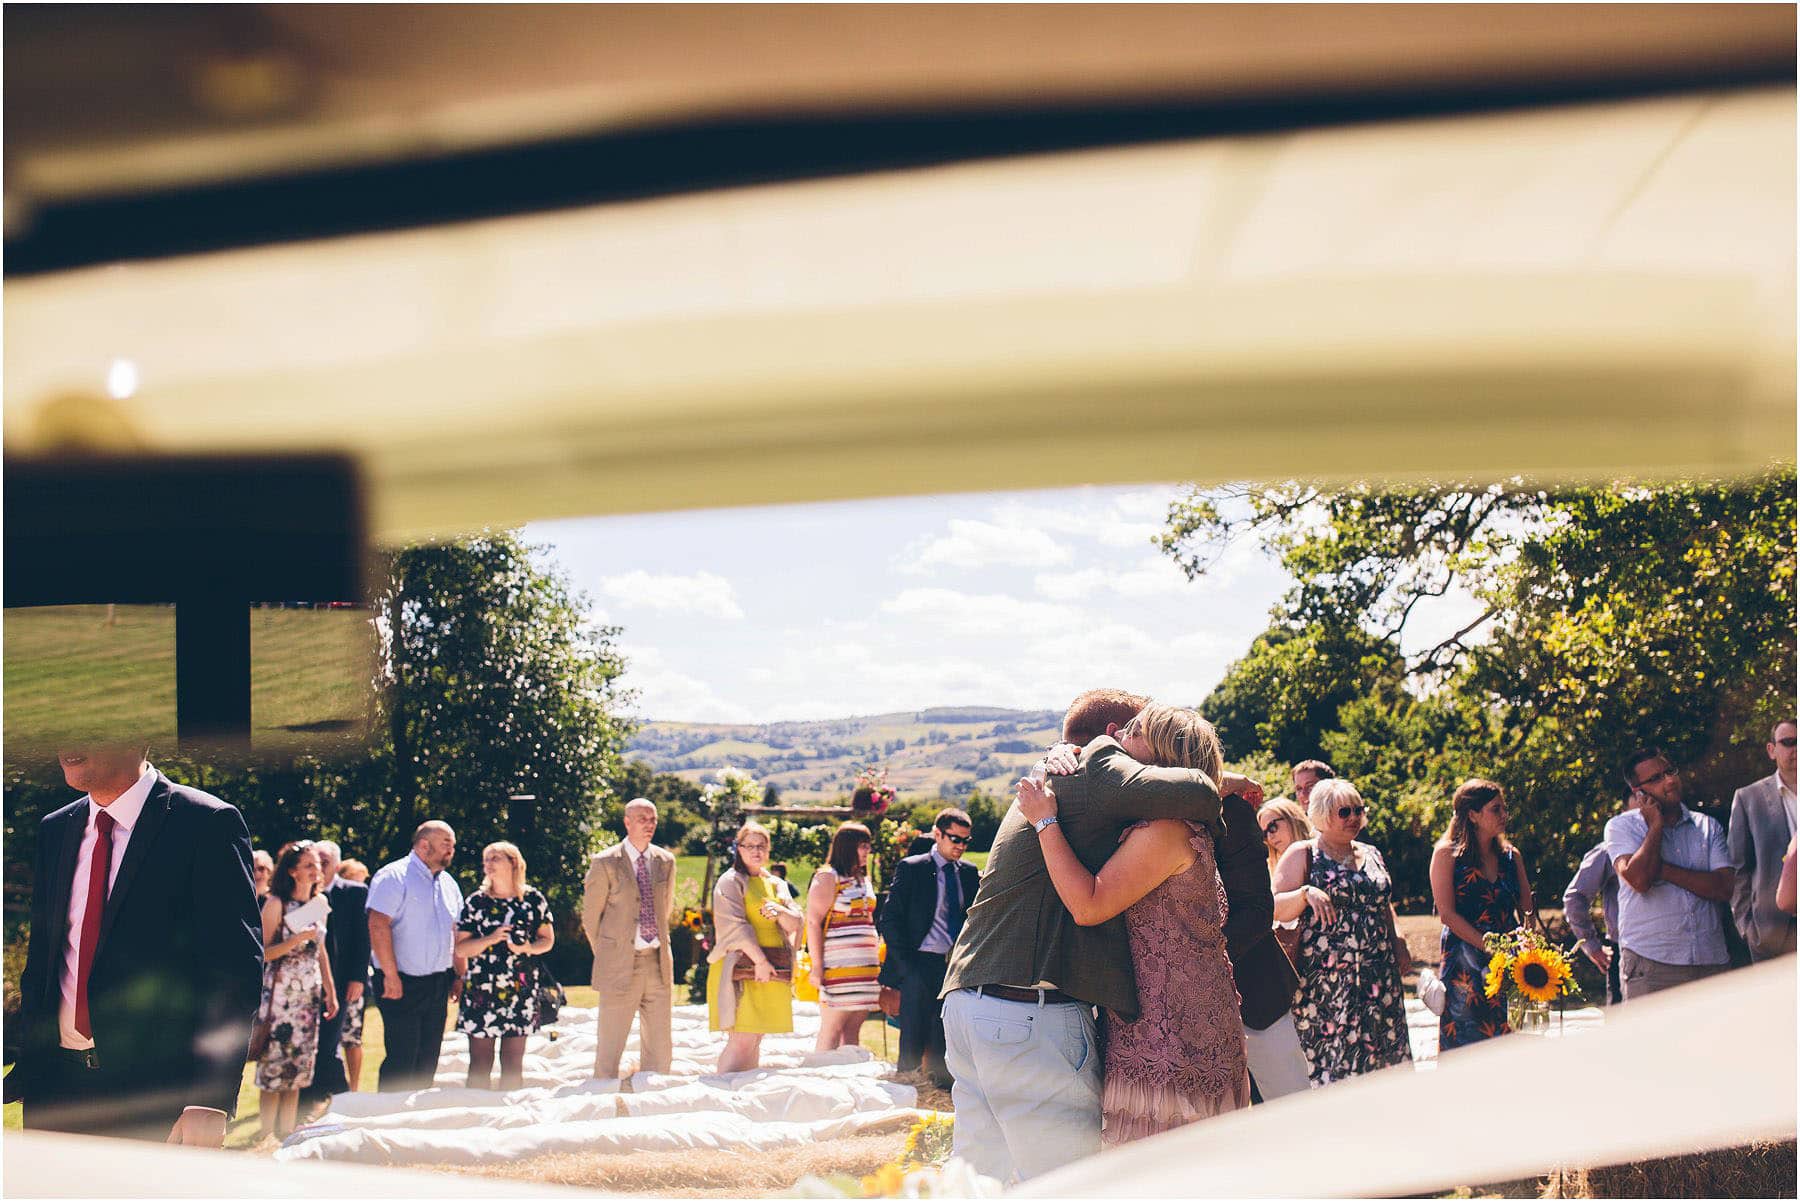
<point x="1526" y="1016"/>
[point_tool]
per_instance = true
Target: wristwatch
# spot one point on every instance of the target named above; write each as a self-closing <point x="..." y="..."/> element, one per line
<point x="1044" y="823"/>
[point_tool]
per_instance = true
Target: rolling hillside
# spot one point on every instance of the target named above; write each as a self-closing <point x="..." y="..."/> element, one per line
<point x="928" y="753"/>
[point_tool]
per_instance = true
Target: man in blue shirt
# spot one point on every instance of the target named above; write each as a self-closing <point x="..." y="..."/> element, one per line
<point x="1674" y="871"/>
<point x="1596" y="878"/>
<point x="413" y="907"/>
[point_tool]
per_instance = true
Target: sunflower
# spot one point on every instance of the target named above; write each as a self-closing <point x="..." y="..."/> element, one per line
<point x="1498" y="963"/>
<point x="1540" y="973"/>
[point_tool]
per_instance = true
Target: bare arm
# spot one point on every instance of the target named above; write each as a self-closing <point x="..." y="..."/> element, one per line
<point x="274" y="948"/>
<point x="1528" y="915"/>
<point x="470" y="944"/>
<point x="331" y="1002"/>
<point x="1715" y="885"/>
<point x="819" y="897"/>
<point x="1443" y="896"/>
<point x="1293" y="896"/>
<point x="381" y="942"/>
<point x="1149" y="856"/>
<point x="1643" y="867"/>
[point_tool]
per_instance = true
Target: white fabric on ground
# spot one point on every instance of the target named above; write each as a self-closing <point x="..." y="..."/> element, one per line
<point x="1422" y="1028"/>
<point x="796" y="1097"/>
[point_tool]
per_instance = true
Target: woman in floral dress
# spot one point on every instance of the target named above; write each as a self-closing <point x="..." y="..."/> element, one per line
<point x="1182" y="1059"/>
<point x="297" y="989"/>
<point x="1479" y="885"/>
<point x="504" y="925"/>
<point x="1350" y="1010"/>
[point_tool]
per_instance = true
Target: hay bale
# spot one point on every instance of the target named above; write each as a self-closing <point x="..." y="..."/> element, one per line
<point x="1762" y="1170"/>
<point x="700" y="1174"/>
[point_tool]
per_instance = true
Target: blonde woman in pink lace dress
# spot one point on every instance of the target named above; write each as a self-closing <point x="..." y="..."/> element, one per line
<point x="1182" y="1059"/>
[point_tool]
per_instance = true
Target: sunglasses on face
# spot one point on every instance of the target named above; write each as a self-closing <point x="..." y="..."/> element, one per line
<point x="1787" y="742"/>
<point x="1346" y="812"/>
<point x="1272" y="827"/>
<point x="959" y="840"/>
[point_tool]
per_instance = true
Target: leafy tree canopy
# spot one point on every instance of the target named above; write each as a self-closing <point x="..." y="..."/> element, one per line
<point x="1609" y="615"/>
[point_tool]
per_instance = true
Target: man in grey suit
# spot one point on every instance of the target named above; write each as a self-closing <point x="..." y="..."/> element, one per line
<point x="1762" y="823"/>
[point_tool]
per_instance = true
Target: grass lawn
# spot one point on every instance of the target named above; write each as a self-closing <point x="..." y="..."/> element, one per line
<point x="68" y="671"/>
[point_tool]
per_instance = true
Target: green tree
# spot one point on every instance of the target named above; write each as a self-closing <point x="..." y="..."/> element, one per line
<point x="1609" y="615"/>
<point x="1284" y="694"/>
<point x="495" y="686"/>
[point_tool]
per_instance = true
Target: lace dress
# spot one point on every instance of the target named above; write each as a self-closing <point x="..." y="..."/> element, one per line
<point x="1182" y="1059"/>
<point x="1351" y="1010"/>
<point x="1470" y="1015"/>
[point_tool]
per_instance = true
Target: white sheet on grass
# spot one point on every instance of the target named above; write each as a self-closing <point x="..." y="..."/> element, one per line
<point x="796" y="1097"/>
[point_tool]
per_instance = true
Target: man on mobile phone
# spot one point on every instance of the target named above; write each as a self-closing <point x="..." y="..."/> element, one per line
<point x="1674" y="871"/>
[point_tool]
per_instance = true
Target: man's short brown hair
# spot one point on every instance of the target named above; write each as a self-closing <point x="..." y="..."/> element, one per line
<point x="1319" y="768"/>
<point x="950" y="816"/>
<point x="1092" y="712"/>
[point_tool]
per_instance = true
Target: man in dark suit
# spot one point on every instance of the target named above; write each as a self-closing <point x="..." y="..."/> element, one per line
<point x="924" y="913"/>
<point x="145" y="963"/>
<point x="347" y="943"/>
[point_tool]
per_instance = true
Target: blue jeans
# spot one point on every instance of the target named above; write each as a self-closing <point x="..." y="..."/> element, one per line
<point x="1027" y="1088"/>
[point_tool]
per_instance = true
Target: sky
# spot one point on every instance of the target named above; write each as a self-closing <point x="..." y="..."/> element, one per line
<point x="820" y="611"/>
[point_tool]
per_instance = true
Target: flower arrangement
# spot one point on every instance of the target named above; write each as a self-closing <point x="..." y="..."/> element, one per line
<point x="873" y="795"/>
<point x="1536" y="972"/>
<point x="924" y="1169"/>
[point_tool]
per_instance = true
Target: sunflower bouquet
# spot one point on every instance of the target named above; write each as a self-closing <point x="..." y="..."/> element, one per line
<point x="1530" y="971"/>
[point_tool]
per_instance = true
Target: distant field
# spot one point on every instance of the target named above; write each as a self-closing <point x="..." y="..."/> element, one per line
<point x="68" y="670"/>
<point x="928" y="754"/>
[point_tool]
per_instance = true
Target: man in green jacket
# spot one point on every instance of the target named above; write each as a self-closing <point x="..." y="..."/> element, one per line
<point x="1023" y="979"/>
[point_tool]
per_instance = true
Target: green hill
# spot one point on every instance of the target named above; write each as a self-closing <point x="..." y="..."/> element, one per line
<point x="933" y="753"/>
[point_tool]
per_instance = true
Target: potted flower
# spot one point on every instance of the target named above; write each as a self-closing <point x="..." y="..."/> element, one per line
<point x="1531" y="972"/>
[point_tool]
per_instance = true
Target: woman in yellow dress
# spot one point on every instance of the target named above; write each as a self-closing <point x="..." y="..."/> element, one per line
<point x="752" y="921"/>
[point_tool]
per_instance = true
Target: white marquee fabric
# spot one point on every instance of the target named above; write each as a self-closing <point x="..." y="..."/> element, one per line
<point x="1719" y="1072"/>
<point x="1576" y="290"/>
<point x="797" y="1097"/>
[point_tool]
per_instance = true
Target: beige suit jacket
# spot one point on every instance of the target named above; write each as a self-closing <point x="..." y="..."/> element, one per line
<point x="609" y="911"/>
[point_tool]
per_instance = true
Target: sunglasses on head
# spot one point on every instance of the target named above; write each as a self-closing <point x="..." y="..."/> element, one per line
<point x="1345" y="812"/>
<point x="959" y="840"/>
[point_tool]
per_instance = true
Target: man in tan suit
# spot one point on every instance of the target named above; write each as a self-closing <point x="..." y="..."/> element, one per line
<point x="629" y="893"/>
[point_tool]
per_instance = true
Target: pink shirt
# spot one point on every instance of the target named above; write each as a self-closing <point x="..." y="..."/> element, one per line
<point x="124" y="812"/>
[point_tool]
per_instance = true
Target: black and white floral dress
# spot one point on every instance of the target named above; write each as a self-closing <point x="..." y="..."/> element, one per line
<point x="1350" y="1011"/>
<point x="500" y="991"/>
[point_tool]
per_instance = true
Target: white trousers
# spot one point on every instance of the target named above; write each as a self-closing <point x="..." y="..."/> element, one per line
<point x="1027" y="1086"/>
<point x="1277" y="1062"/>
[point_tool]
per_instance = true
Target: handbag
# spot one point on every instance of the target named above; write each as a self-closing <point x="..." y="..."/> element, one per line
<point x="550" y="996"/>
<point x="782" y="958"/>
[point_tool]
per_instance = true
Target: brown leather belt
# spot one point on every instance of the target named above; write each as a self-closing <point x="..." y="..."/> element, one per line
<point x="1037" y="997"/>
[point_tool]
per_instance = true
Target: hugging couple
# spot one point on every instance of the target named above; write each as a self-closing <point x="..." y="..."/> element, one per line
<point x="1108" y="862"/>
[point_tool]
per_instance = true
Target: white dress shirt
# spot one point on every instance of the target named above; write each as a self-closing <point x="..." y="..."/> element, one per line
<point x="124" y="812"/>
<point x="1787" y="802"/>
<point x="633" y="854"/>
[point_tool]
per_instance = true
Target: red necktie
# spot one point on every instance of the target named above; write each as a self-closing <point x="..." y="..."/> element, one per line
<point x="99" y="868"/>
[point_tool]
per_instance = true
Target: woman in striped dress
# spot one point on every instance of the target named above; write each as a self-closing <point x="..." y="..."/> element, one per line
<point x="841" y="939"/>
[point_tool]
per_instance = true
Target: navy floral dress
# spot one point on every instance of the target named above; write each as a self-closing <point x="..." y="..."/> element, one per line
<point x="1350" y="1011"/>
<point x="1470" y="1016"/>
<point x="500" y="989"/>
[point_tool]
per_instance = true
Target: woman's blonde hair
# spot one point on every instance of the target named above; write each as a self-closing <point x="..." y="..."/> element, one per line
<point x="1179" y="738"/>
<point x="1328" y="795"/>
<point x="511" y="852"/>
<point x="1287" y="809"/>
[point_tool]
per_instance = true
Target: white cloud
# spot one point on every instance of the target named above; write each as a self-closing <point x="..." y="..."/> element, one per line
<point x="984" y="615"/>
<point x="1152" y="577"/>
<point x="702" y="593"/>
<point x="970" y="544"/>
<point x="671" y="696"/>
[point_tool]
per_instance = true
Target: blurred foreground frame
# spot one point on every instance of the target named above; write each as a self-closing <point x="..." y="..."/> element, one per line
<point x="211" y="536"/>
